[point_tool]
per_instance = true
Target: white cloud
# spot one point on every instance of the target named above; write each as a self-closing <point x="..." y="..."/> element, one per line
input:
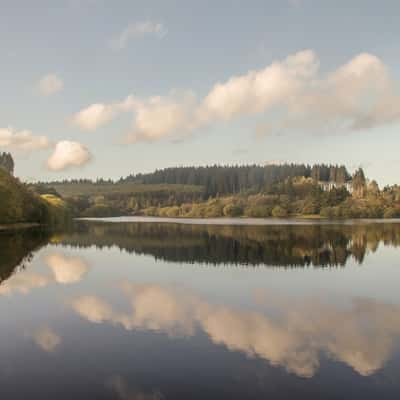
<point x="292" y="94"/>
<point x="23" y="140"/>
<point x="47" y="339"/>
<point x="66" y="269"/>
<point x="136" y="30"/>
<point x="158" y="117"/>
<point x="96" y="115"/>
<point x="68" y="154"/>
<point x="50" y="84"/>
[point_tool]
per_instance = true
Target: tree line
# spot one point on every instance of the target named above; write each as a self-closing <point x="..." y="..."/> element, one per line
<point x="221" y="180"/>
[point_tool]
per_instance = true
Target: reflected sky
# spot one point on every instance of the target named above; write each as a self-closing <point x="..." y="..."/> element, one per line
<point x="131" y="311"/>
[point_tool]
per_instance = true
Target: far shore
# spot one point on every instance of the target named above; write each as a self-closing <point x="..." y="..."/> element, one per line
<point x="18" y="226"/>
<point x="293" y="220"/>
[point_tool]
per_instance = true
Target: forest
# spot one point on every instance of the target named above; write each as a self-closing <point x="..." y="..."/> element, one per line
<point x="257" y="191"/>
<point x="20" y="204"/>
<point x="232" y="191"/>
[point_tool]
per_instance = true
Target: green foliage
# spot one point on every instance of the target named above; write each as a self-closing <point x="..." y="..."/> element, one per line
<point x="258" y="211"/>
<point x="231" y="191"/>
<point x="224" y="180"/>
<point x="279" y="212"/>
<point x="101" y="211"/>
<point x="233" y="210"/>
<point x="19" y="204"/>
<point x="392" y="212"/>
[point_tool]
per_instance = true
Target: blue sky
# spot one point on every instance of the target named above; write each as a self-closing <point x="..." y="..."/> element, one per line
<point x="94" y="88"/>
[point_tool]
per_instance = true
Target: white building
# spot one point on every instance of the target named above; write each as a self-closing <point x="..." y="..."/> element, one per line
<point x="327" y="186"/>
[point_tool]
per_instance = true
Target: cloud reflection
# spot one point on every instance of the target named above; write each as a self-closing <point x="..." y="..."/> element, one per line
<point x="118" y="385"/>
<point x="362" y="335"/>
<point x="23" y="282"/>
<point x="66" y="269"/>
<point x="46" y="339"/>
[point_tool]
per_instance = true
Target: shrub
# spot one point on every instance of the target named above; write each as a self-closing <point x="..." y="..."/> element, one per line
<point x="233" y="210"/>
<point x="327" y="212"/>
<point x="150" y="211"/>
<point x="391" y="212"/>
<point x="279" y="212"/>
<point x="172" y="212"/>
<point x="258" y="211"/>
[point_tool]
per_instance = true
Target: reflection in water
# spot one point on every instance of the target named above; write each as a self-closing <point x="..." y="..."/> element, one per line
<point x="16" y="248"/>
<point x="23" y="282"/>
<point x="362" y="335"/>
<point x="66" y="269"/>
<point x="46" y="339"/>
<point x="135" y="329"/>
<point x="282" y="245"/>
<point x="118" y="385"/>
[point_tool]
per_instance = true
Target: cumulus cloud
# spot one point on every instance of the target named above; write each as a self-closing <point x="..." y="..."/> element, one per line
<point x="66" y="269"/>
<point x="68" y="154"/>
<point x="158" y="117"/>
<point x="292" y="94"/>
<point x="65" y="153"/>
<point x="50" y="84"/>
<point x="96" y="115"/>
<point x="294" y="340"/>
<point x="46" y="339"/>
<point x="23" y="140"/>
<point x="136" y="30"/>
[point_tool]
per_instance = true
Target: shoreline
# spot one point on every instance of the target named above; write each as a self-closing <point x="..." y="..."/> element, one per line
<point x="18" y="226"/>
<point x="238" y="221"/>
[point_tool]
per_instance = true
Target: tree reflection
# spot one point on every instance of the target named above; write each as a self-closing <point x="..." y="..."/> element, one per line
<point x="17" y="247"/>
<point x="276" y="245"/>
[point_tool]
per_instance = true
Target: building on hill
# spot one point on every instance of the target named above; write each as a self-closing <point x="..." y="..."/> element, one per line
<point x="329" y="185"/>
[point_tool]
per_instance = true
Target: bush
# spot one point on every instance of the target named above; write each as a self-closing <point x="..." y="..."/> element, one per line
<point x="150" y="211"/>
<point x="233" y="210"/>
<point x="310" y="207"/>
<point x="391" y="212"/>
<point x="258" y="211"/>
<point x="173" y="212"/>
<point x="279" y="212"/>
<point x="214" y="211"/>
<point x="327" y="212"/>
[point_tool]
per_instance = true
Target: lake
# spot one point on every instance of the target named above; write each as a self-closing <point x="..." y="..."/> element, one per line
<point x="155" y="309"/>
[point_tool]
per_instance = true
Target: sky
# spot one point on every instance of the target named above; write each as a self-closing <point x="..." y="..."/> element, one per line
<point x="100" y="88"/>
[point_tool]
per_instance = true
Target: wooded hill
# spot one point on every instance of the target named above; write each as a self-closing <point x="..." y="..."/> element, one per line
<point x="232" y="191"/>
<point x="234" y="179"/>
<point x="18" y="204"/>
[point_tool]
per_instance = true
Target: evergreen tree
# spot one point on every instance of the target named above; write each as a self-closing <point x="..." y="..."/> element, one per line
<point x="7" y="162"/>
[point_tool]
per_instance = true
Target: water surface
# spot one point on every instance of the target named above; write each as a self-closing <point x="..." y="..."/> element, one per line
<point x="156" y="310"/>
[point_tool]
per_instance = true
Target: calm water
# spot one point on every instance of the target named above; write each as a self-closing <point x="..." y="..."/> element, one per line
<point x="146" y="311"/>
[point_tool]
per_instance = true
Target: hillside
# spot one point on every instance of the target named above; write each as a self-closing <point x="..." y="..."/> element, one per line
<point x="105" y="199"/>
<point x="321" y="190"/>
<point x="71" y="189"/>
<point x="18" y="204"/>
